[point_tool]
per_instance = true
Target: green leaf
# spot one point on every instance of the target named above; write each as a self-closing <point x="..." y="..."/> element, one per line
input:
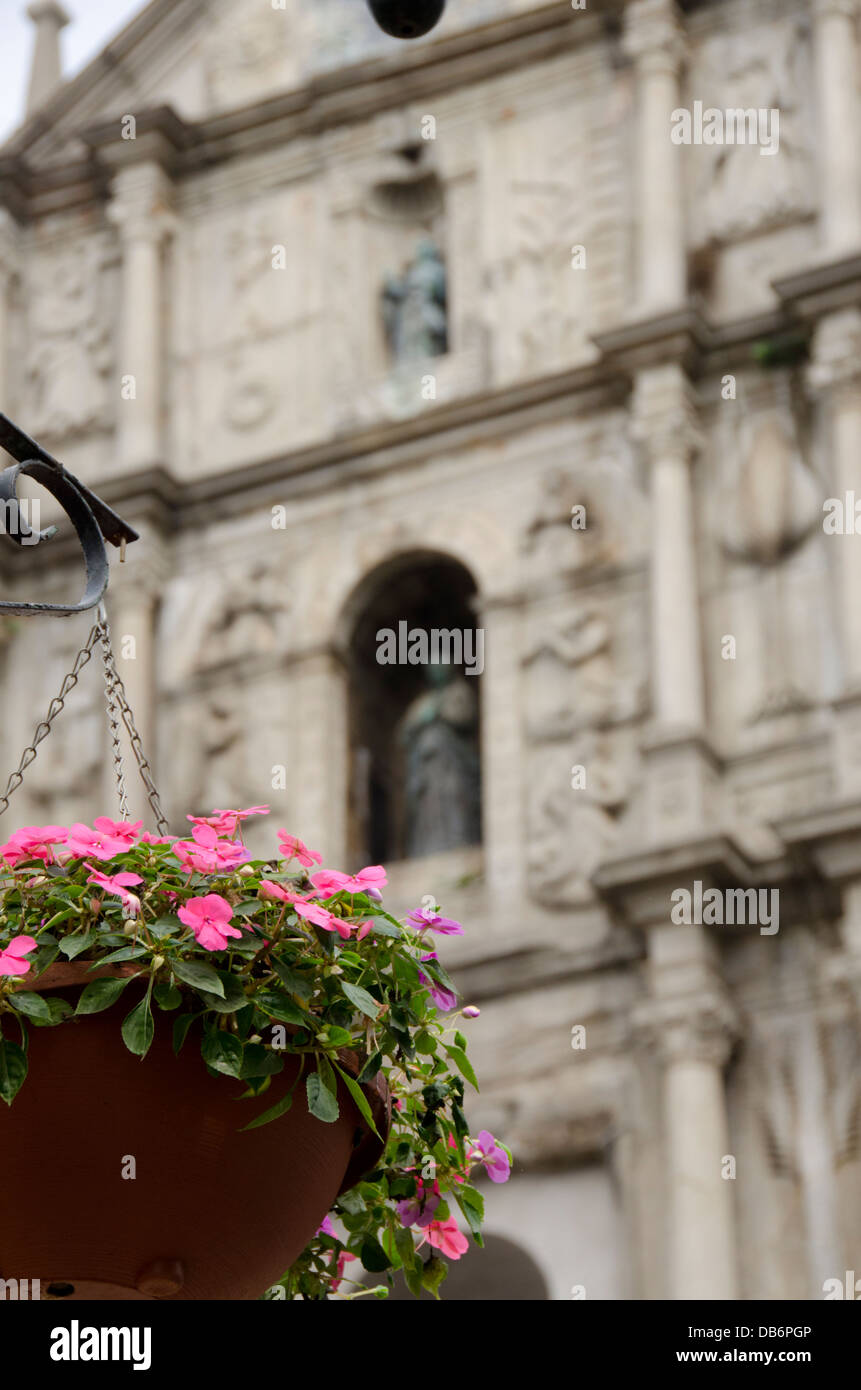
<point x="471" y="1203"/>
<point x="139" y="1029"/>
<point x="33" y="1005"/>
<point x="199" y="975"/>
<point x="167" y="926"/>
<point x="13" y="1070"/>
<point x="60" y="1009"/>
<point x="360" y="1098"/>
<point x="124" y="953"/>
<point x="293" y="982"/>
<point x="278" y="1005"/>
<point x="361" y="999"/>
<point x="273" y="1113"/>
<point x="433" y="1274"/>
<point x="223" y="1052"/>
<point x="181" y="1026"/>
<point x="338" y="1037"/>
<point x="260" y="1061"/>
<point x="413" y="1270"/>
<point x="100" y="994"/>
<point x="321" y="1102"/>
<point x="463" y="1064"/>
<point x="233" y="999"/>
<point x="167" y="996"/>
<point x="72" y="946"/>
<point x="371" y="1067"/>
<point x="373" y="1256"/>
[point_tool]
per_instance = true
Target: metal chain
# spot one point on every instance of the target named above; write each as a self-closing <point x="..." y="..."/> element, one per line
<point x="44" y="727"/>
<point x="112" y="704"/>
<point x="117" y="703"/>
<point x="116" y="690"/>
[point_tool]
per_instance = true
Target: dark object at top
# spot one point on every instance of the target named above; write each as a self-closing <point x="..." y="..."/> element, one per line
<point x="407" y="19"/>
<point x="94" y="521"/>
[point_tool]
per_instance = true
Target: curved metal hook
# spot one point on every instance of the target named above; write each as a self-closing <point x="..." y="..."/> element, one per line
<point x="93" y="519"/>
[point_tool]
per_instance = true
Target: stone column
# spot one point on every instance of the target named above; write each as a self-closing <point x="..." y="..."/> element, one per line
<point x="838" y="137"/>
<point x="46" y="69"/>
<point x="691" y="1025"/>
<point x="140" y="210"/>
<point x="835" y="373"/>
<point x="318" y="756"/>
<point x="654" y="39"/>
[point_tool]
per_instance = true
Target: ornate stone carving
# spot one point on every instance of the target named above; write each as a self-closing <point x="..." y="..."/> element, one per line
<point x="570" y="679"/>
<point x="246" y="619"/>
<point x="70" y="356"/>
<point x="740" y="189"/>
<point x="585" y="518"/>
<point x="254" y="51"/>
<point x="654" y="36"/>
<point x="664" y="418"/>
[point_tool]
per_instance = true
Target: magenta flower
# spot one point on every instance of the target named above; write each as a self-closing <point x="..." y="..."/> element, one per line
<point x="444" y="999"/>
<point x="237" y="816"/>
<point x="209" y="854"/>
<point x="147" y="838"/>
<point x="119" y="885"/>
<point x="11" y="957"/>
<point x="124" y="830"/>
<point x="343" y="1260"/>
<point x="326" y="1228"/>
<point x="492" y="1155"/>
<point x="471" y="1011"/>
<point x="447" y="1237"/>
<point x="209" y="919"/>
<point x="330" y="881"/>
<point x="418" y="1210"/>
<point x="84" y="843"/>
<point x="34" y="842"/>
<point x="423" y="919"/>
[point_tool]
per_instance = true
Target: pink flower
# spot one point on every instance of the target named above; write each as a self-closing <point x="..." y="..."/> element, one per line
<point x="33" y="842"/>
<point x="209" y="919"/>
<point x="237" y="816"/>
<point x="418" y="1210"/>
<point x="471" y="1011"/>
<point x="330" y="881"/>
<point x="447" y="1237"/>
<point x="118" y="884"/>
<point x="492" y="1155"/>
<point x="326" y="1228"/>
<point x="11" y="962"/>
<point x="209" y="854"/>
<point x="147" y="838"/>
<point x="291" y="848"/>
<point x="423" y="919"/>
<point x="343" y="1259"/>
<point x="311" y="911"/>
<point x="442" y="997"/>
<point x="223" y="824"/>
<point x="364" y="928"/>
<point x="125" y="830"/>
<point x="84" y="843"/>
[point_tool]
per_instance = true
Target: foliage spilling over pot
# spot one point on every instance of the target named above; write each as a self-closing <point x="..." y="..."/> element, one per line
<point x="251" y="961"/>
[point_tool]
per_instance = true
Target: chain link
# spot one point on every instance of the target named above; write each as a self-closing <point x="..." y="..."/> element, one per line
<point x="44" y="727"/>
<point x="115" y="689"/>
<point x="117" y="707"/>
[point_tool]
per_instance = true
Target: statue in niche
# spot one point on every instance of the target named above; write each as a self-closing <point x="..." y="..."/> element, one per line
<point x="415" y="308"/>
<point x="442" y="781"/>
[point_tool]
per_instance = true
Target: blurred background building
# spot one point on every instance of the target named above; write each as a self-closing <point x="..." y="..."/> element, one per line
<point x="456" y="335"/>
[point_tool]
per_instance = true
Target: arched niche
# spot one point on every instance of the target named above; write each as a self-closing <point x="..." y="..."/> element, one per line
<point x="410" y="638"/>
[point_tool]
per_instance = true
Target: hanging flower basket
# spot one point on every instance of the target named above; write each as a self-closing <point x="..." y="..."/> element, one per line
<point x="224" y="1077"/>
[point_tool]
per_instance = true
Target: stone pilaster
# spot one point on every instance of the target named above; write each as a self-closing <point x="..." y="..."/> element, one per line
<point x="140" y="209"/>
<point x="838" y="145"/>
<point x="503" y="754"/>
<point x="654" y="39"/>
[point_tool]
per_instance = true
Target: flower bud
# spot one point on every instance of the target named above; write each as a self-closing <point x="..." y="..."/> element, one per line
<point x="246" y="871"/>
<point x="157" y="962"/>
<point x="471" y="1011"/>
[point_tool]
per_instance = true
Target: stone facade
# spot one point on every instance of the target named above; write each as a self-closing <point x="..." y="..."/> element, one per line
<point x="664" y="335"/>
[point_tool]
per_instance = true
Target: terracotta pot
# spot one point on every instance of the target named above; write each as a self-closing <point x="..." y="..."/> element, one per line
<point x="210" y="1213"/>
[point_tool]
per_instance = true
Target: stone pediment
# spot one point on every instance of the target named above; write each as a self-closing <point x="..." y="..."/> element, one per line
<point x="205" y="57"/>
